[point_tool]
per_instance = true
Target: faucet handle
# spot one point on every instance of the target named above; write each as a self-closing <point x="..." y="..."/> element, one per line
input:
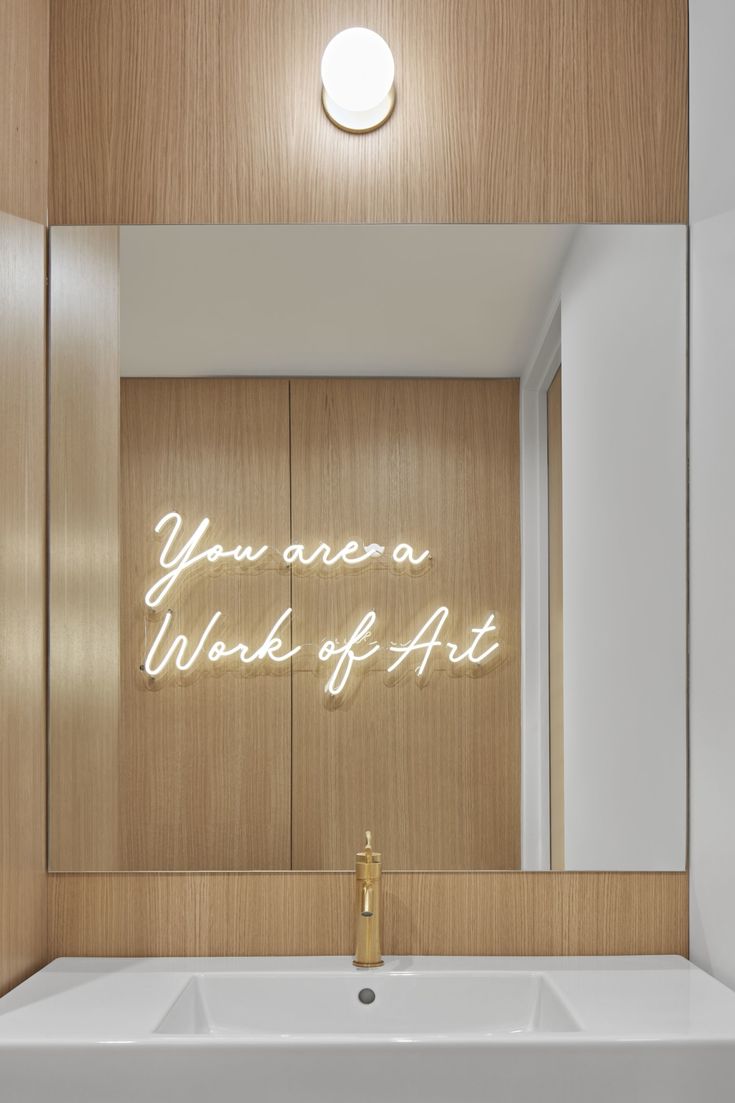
<point x="368" y="856"/>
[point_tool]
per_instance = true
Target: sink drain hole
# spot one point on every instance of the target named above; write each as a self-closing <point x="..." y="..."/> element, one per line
<point x="366" y="995"/>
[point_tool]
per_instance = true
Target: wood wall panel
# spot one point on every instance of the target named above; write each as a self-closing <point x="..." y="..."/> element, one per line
<point x="508" y="111"/>
<point x="204" y="767"/>
<point x="312" y="913"/>
<point x="433" y="768"/>
<point x="22" y="600"/>
<point x="84" y="469"/>
<point x="24" y="111"/>
<point x="637" y="59"/>
<point x="556" y="622"/>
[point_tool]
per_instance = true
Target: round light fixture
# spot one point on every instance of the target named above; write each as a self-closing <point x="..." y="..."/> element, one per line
<point x="358" y="70"/>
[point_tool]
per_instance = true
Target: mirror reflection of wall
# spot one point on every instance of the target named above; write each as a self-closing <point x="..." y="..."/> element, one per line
<point x="299" y="754"/>
<point x="399" y="388"/>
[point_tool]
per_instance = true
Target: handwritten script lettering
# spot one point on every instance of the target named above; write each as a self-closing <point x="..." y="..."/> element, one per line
<point x="177" y="651"/>
<point x="175" y="563"/>
<point x="182" y="652"/>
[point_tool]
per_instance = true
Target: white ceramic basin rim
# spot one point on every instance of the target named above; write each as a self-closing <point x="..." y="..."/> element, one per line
<point x="275" y="1030"/>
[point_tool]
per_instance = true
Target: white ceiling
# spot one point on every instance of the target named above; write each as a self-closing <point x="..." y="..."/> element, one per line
<point x="343" y="300"/>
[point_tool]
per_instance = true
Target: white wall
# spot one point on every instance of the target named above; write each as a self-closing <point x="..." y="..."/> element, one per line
<point x="712" y="504"/>
<point x="711" y="106"/>
<point x="624" y="490"/>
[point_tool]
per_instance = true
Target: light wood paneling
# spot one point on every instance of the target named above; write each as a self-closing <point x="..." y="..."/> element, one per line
<point x="556" y="623"/>
<point x="22" y="600"/>
<point x="424" y="913"/>
<point x="432" y="768"/>
<point x="508" y="111"/>
<point x="204" y="768"/>
<point x="84" y="436"/>
<point x="637" y="109"/>
<point x="24" y="111"/>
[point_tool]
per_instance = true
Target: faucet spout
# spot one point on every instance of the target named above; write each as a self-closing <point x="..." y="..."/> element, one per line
<point x="366" y="906"/>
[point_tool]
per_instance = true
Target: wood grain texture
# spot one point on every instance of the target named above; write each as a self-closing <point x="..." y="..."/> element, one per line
<point x="432" y="767"/>
<point x="185" y="111"/>
<point x="204" y="767"/>
<point x="24" y="110"/>
<point x="22" y="600"/>
<point x="424" y="913"/>
<point x="84" y="466"/>
<point x="637" y="57"/>
<point x="556" y="621"/>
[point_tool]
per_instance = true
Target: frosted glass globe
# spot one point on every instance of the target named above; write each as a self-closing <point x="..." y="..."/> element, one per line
<point x="357" y="80"/>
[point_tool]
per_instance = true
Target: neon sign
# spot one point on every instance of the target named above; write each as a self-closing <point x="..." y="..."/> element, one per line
<point x="353" y="554"/>
<point x="183" y="653"/>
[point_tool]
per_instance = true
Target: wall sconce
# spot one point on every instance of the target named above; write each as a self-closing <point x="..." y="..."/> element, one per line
<point x="358" y="93"/>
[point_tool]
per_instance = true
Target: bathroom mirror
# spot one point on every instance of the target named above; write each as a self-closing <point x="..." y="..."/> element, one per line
<point x="367" y="527"/>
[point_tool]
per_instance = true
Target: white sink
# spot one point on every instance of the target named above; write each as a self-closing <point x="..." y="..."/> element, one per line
<point x="439" y="1030"/>
<point x="404" y="1006"/>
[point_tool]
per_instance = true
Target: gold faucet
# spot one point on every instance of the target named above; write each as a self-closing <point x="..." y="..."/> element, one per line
<point x="367" y="883"/>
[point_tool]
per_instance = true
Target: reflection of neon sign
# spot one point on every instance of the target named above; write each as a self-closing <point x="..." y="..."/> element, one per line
<point x="174" y="564"/>
<point x="182" y="653"/>
<point x="347" y="655"/>
<point x="437" y="620"/>
<point x="270" y="648"/>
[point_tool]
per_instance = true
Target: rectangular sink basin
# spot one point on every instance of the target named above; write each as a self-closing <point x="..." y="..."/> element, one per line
<point x="439" y="1030"/>
<point x="368" y="1003"/>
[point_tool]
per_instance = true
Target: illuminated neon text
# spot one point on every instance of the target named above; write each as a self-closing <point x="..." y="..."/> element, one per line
<point x="184" y="653"/>
<point x="175" y="651"/>
<point x="176" y="563"/>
